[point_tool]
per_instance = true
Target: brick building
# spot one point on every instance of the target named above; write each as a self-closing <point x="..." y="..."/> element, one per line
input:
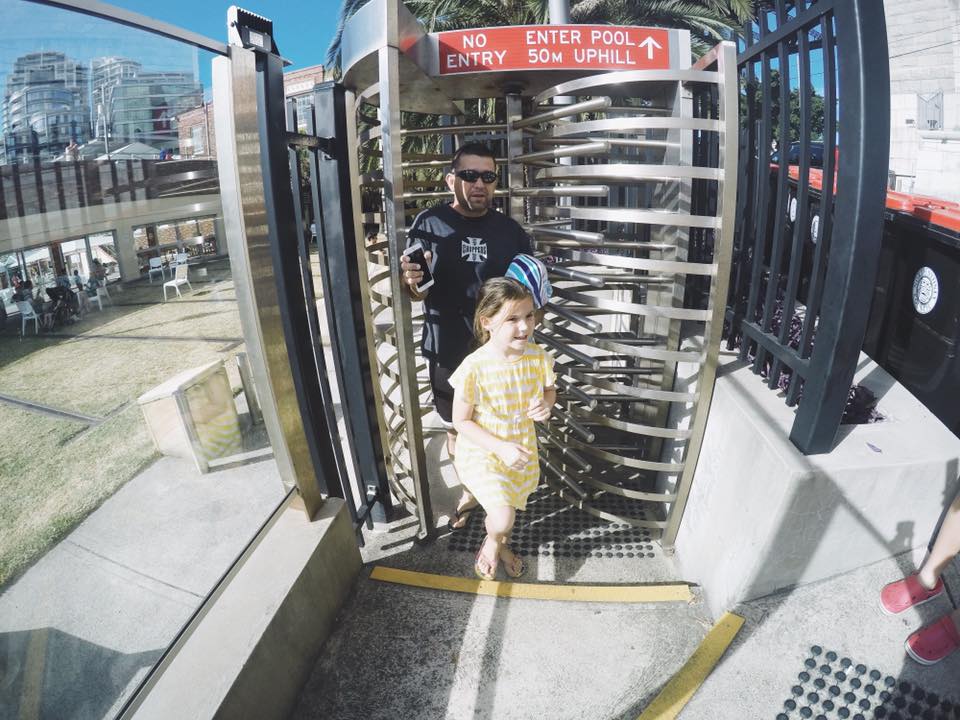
<point x="196" y="126"/>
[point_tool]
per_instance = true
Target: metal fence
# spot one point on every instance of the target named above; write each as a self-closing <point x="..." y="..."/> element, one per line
<point x="814" y="111"/>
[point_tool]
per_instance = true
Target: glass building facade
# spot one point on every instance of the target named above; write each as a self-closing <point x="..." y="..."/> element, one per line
<point x="45" y="105"/>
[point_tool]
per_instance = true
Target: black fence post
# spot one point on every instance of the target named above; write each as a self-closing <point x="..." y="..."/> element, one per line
<point x="340" y="271"/>
<point x="801" y="297"/>
<point x="864" y="80"/>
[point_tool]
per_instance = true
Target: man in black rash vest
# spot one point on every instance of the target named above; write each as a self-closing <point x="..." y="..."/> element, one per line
<point x="466" y="242"/>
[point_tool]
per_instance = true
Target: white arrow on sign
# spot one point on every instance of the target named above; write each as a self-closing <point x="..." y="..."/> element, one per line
<point x="650" y="44"/>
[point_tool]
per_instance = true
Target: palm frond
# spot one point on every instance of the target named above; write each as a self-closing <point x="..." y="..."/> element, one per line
<point x="347" y="11"/>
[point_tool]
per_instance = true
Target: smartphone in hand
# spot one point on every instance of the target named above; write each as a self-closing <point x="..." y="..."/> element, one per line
<point x="415" y="255"/>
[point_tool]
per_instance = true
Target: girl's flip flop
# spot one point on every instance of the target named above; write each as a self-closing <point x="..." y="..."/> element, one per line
<point x="516" y="569"/>
<point x="461" y="514"/>
<point x="492" y="575"/>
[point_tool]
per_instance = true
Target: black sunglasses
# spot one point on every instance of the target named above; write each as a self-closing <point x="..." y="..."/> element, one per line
<point x="471" y="176"/>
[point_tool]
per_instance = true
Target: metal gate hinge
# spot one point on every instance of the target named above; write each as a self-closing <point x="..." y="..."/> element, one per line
<point x="310" y="142"/>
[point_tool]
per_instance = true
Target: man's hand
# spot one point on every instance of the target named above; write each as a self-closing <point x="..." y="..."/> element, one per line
<point x="412" y="274"/>
<point x="539" y="410"/>
<point x="513" y="455"/>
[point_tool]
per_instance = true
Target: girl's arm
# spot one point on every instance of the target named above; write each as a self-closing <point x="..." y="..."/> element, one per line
<point x="512" y="454"/>
<point x="540" y="409"/>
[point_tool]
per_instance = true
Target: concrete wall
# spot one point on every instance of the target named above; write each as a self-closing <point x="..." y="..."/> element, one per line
<point x="924" y="44"/>
<point x="762" y="517"/>
<point x="257" y="641"/>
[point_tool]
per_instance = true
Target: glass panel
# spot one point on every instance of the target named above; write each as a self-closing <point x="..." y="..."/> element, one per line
<point x="114" y="528"/>
<point x="206" y="226"/>
<point x="39" y="266"/>
<point x="77" y="261"/>
<point x="9" y="268"/>
<point x="104" y="253"/>
<point x="187" y="229"/>
<point x="167" y="234"/>
<point x="140" y="238"/>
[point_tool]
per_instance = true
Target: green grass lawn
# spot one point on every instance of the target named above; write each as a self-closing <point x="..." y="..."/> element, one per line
<point x="54" y="472"/>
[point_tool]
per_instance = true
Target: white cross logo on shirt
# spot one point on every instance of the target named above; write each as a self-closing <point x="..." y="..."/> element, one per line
<point x="473" y="249"/>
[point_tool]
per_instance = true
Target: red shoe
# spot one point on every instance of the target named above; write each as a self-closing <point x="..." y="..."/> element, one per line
<point x="904" y="594"/>
<point x="933" y="643"/>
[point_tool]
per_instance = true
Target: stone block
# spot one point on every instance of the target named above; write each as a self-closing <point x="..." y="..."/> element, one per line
<point x="255" y="644"/>
<point x="762" y="517"/>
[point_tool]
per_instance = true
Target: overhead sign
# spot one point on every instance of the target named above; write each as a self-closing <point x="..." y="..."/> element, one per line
<point x="554" y="47"/>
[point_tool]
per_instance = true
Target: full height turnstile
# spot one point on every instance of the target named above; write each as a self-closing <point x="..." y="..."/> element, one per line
<point x="616" y="152"/>
<point x="618" y="155"/>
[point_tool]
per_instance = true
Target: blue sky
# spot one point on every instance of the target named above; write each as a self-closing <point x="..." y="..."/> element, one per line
<point x="303" y="28"/>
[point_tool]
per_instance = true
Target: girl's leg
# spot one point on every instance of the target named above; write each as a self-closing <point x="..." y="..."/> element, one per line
<point x="503" y="523"/>
<point x="467" y="502"/>
<point x="945" y="547"/>
<point x="499" y="523"/>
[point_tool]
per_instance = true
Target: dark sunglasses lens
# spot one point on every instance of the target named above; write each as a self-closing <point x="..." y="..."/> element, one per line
<point x="471" y="176"/>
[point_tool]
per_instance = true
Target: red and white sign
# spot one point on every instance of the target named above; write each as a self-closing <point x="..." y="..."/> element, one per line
<point x="554" y="47"/>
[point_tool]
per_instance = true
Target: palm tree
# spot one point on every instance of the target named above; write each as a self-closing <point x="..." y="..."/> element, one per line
<point x="709" y="21"/>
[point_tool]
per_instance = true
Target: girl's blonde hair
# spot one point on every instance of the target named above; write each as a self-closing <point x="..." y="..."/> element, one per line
<point x="494" y="294"/>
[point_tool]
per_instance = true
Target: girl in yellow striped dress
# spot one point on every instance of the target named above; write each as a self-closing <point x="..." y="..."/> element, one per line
<point x="499" y="391"/>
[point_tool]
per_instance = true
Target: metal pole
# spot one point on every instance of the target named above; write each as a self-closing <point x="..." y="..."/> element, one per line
<point x="559" y="12"/>
<point x="396" y="231"/>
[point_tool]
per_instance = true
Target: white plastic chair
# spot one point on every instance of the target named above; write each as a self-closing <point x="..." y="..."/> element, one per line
<point x="179" y="278"/>
<point x="156" y="266"/>
<point x="182" y="258"/>
<point x="26" y="315"/>
<point x="98" y="298"/>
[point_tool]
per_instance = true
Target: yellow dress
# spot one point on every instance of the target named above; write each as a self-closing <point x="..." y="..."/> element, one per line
<point x="500" y="391"/>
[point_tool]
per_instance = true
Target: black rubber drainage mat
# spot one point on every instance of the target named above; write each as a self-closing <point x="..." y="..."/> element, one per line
<point x="551" y="527"/>
<point x="833" y="687"/>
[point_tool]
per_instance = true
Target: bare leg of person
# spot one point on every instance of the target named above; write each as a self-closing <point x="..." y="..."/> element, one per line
<point x="499" y="523"/>
<point x="499" y="528"/>
<point x="946" y="546"/>
<point x="467" y="501"/>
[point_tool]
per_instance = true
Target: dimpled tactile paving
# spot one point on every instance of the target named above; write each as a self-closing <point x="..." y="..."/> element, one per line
<point x="830" y="686"/>
<point x="551" y="527"/>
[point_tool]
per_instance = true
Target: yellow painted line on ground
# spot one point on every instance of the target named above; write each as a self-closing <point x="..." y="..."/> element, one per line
<point x="677" y="693"/>
<point x="536" y="591"/>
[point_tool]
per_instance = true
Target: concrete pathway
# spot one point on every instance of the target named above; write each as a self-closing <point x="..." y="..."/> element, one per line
<point x="408" y="652"/>
<point x="82" y="626"/>
<point x="824" y="650"/>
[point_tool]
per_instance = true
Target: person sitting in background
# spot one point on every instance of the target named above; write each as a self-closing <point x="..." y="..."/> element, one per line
<point x="78" y="283"/>
<point x="98" y="274"/>
<point x="934" y="642"/>
<point x="20" y="290"/>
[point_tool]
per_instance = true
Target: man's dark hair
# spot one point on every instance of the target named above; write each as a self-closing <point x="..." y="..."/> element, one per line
<point x="473" y="148"/>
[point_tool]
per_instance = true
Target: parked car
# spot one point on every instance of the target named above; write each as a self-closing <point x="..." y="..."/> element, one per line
<point x="793" y="155"/>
